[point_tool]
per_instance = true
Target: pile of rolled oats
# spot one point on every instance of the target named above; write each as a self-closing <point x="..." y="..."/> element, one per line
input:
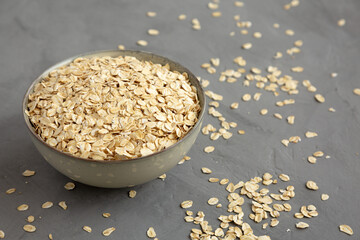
<point x="233" y="225"/>
<point x="113" y="108"/>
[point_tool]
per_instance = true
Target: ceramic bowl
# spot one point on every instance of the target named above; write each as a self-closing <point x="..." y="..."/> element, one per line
<point x="118" y="173"/>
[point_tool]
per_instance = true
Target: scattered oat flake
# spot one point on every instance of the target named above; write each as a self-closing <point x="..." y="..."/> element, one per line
<point x="211" y="70"/>
<point x="224" y="181"/>
<point x="69" y="186"/>
<point x="142" y="43"/>
<point x="246" y="45"/>
<point x="278" y="55"/>
<point x="287" y="6"/>
<point x="294" y="3"/>
<point x="186" y="204"/>
<point x="63" y="205"/>
<point x="257" y="96"/>
<point x="151" y="14"/>
<point x="284" y="177"/>
<point x="212" y="180"/>
<point x="30" y="219"/>
<point x="312" y="185"/>
<point x="263" y="111"/>
<point x="302" y="225"/>
<point x="153" y="32"/>
<point x="341" y="22"/>
<point x="209" y="149"/>
<point x="10" y="191"/>
<point x="132" y="193"/>
<point x="309" y="134"/>
<point x="276" y="25"/>
<point x="289" y="32"/>
<point x="274" y="222"/>
<point x="213" y="201"/>
<point x="205" y="83"/>
<point x="189" y="213"/>
<point x="181" y="162"/>
<point x="241" y="132"/>
<point x="50" y="236"/>
<point x="162" y="177"/>
<point x="216" y="14"/>
<point x="214" y="104"/>
<point x="47" y="205"/>
<point x="234" y="105"/>
<point x="298" y="43"/>
<point x="196" y="27"/>
<point x="265" y="225"/>
<point x="334" y="75"/>
<point x="182" y="17"/>
<point x="213" y="5"/>
<point x="189" y="218"/>
<point x="320" y="98"/>
<point x="324" y="196"/>
<point x="318" y="154"/>
<point x="29" y="228"/>
<point x="294" y="139"/>
<point x="215" y="61"/>
<point x="2" y="234"/>
<point x="206" y="170"/>
<point x="23" y="207"/>
<point x="278" y="115"/>
<point x="297" y="69"/>
<point x="151" y="232"/>
<point x="287" y="207"/>
<point x="291" y="119"/>
<point x="251" y="187"/>
<point x="121" y="47"/>
<point x="108" y="231"/>
<point x="28" y="173"/>
<point x="106" y="215"/>
<point x="311" y="159"/>
<point x="238" y="4"/>
<point x="285" y="142"/>
<point x="227" y="135"/>
<point x="246" y="97"/>
<point x="196" y="24"/>
<point x="346" y="229"/>
<point x="356" y="91"/>
<point x="257" y="35"/>
<point x="87" y="229"/>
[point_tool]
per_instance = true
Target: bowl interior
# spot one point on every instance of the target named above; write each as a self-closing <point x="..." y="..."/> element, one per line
<point x="145" y="56"/>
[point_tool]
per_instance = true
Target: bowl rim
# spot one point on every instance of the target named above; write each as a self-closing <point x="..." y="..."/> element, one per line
<point x="200" y="94"/>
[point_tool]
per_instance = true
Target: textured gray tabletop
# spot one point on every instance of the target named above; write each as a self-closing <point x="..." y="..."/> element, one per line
<point x="36" y="34"/>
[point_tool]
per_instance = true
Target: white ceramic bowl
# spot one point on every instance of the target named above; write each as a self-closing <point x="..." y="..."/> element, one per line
<point x="118" y="173"/>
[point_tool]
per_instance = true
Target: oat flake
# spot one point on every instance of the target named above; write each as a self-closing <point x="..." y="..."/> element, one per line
<point x="29" y="228"/>
<point x="346" y="229"/>
<point x="108" y="231"/>
<point x="186" y="204"/>
<point x="87" y="229"/>
<point x="151" y="232"/>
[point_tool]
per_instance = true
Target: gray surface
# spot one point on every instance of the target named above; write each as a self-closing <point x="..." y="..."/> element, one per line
<point x="36" y="34"/>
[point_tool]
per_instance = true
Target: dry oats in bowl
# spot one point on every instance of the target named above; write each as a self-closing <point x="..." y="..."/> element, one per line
<point x="114" y="118"/>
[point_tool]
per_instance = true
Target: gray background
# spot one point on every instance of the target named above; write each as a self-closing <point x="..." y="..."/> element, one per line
<point x="36" y="34"/>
